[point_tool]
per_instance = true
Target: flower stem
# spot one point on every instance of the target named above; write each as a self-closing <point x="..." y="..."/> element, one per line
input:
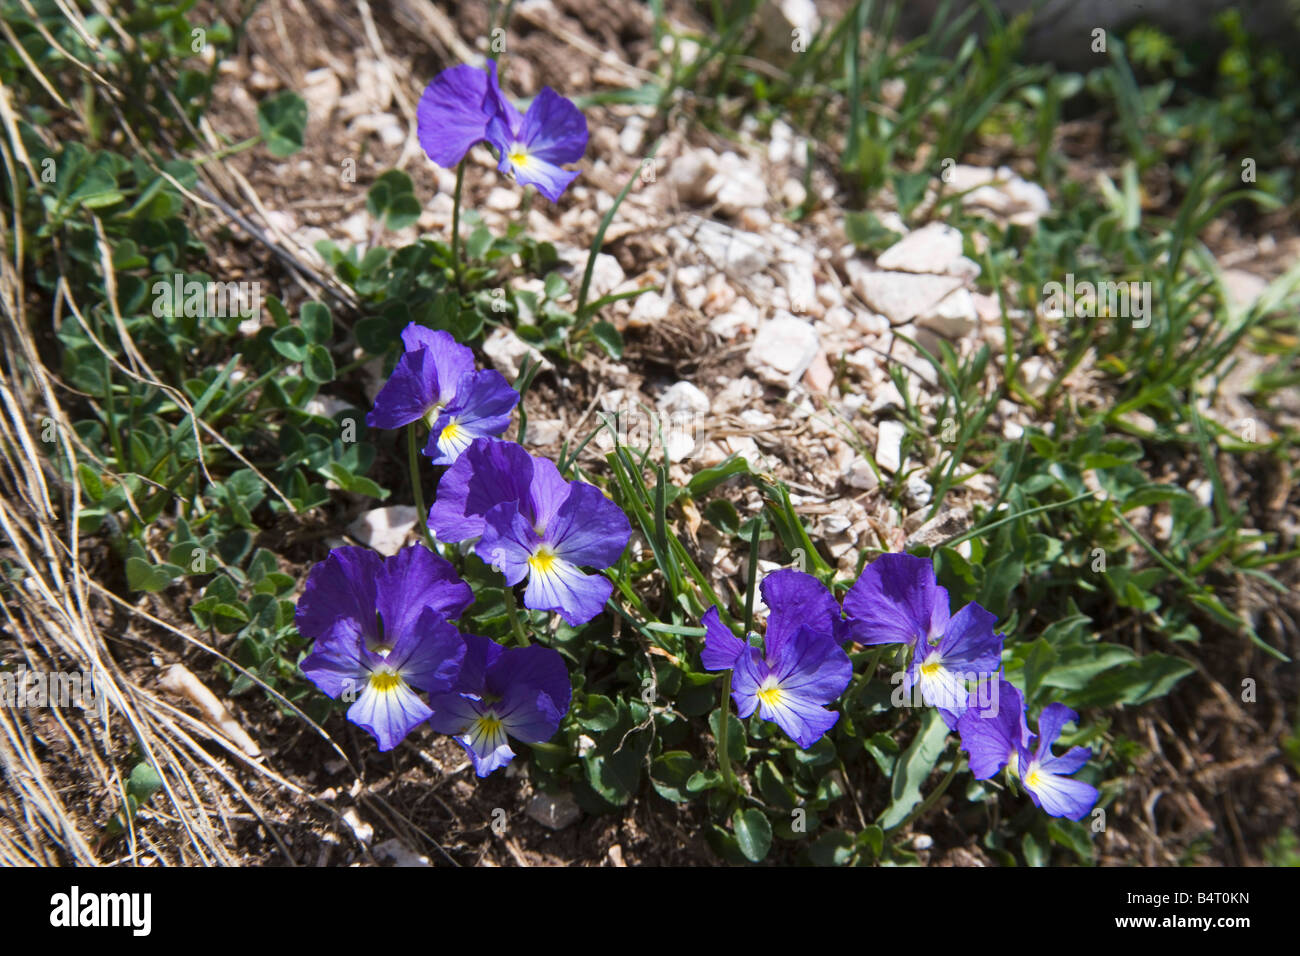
<point x="417" y="491"/>
<point x="724" y="725"/>
<point x="957" y="763"/>
<point x="455" y="223"/>
<point x="516" y="625"/>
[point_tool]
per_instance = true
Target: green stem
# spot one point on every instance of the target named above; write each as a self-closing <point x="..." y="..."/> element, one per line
<point x="421" y="512"/>
<point x="455" y="223"/>
<point x="724" y="725"/>
<point x="928" y="802"/>
<point x="516" y="625"/>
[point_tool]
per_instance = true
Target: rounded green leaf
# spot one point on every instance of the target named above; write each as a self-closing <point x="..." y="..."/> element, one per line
<point x="753" y="833"/>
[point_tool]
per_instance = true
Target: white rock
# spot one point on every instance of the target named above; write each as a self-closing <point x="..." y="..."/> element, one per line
<point x="1000" y="192"/>
<point x="507" y="350"/>
<point x="632" y="135"/>
<point x="1036" y="375"/>
<point x="783" y="349"/>
<point x="692" y="173"/>
<point x="755" y="219"/>
<point x="737" y="253"/>
<point x="680" y="444"/>
<point x="886" y="396"/>
<point x="901" y="296"/>
<point x="800" y="287"/>
<point x="543" y="432"/>
<point x="650" y="307"/>
<point x="889" y="446"/>
<point x="782" y="142"/>
<point x="502" y="199"/>
<point x="606" y="274"/>
<point x="326" y="406"/>
<point x="782" y="22"/>
<point x="860" y="475"/>
<point x="917" y="492"/>
<point x="941" y="527"/>
<point x="737" y="185"/>
<point x="954" y="316"/>
<point x="356" y="227"/>
<point x="793" y="193"/>
<point x="553" y="811"/>
<point x="684" y="397"/>
<point x="385" y="529"/>
<point x="932" y="248"/>
<point x="737" y="394"/>
<point x="398" y="854"/>
<point x="321" y="89"/>
<point x="363" y="831"/>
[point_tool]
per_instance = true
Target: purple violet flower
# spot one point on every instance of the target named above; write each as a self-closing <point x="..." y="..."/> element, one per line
<point x="481" y="409"/>
<point x="533" y="524"/>
<point x="485" y="475"/>
<point x="454" y="112"/>
<point x="968" y="651"/>
<point x="381" y="631"/>
<point x="1047" y="777"/>
<point x="804" y="667"/>
<point x="545" y="537"/>
<point x="424" y="379"/>
<point x="993" y="737"/>
<point x="533" y="146"/>
<point x="502" y="692"/>
<point x="896" y="600"/>
<point x="435" y="380"/>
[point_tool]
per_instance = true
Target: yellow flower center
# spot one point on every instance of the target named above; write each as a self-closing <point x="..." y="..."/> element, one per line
<point x="931" y="667"/>
<point x="1034" y="778"/>
<point x="518" y="156"/>
<point x="770" y="693"/>
<point x="542" y="560"/>
<point x="384" y="681"/>
<point x="451" y="433"/>
<point x="487" y="725"/>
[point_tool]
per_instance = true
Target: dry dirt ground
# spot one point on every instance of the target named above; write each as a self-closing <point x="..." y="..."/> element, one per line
<point x="707" y="229"/>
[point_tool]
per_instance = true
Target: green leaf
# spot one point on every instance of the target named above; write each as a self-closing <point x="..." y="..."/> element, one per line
<point x="1077" y="667"/>
<point x="598" y="713"/>
<point x="144" y="782"/>
<point x="1075" y="837"/>
<point x="873" y="840"/>
<point x="283" y="120"/>
<point x="610" y="339"/>
<point x="391" y="199"/>
<point x="143" y="576"/>
<point x="318" y="365"/>
<point x="753" y="833"/>
<point x="832" y="849"/>
<point x="671" y="774"/>
<point x="555" y="285"/>
<point x="1034" y="852"/>
<point x="291" y="342"/>
<point x="90" y="483"/>
<point x="316" y="322"/>
<point x="914" y="767"/>
<point x="1151" y="677"/>
<point x="705" y="481"/>
<point x="735" y="734"/>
